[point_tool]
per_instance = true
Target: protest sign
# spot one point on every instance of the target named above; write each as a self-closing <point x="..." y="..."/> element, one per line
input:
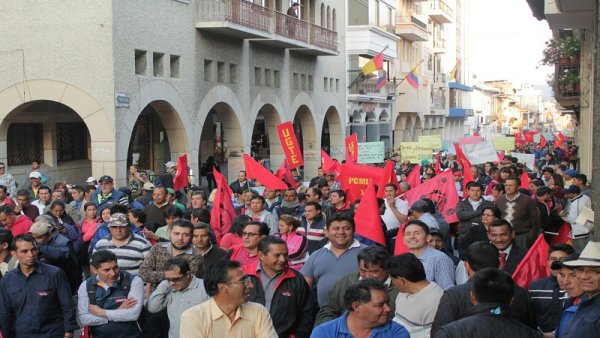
<point x="481" y="152"/>
<point x="527" y="159"/>
<point x="435" y="141"/>
<point x="371" y="152"/>
<point x="469" y="140"/>
<point x="504" y="143"/>
<point x="415" y="152"/>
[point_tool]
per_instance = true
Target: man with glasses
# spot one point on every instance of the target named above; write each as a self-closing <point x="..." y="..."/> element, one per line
<point x="7" y="180"/>
<point x="110" y="302"/>
<point x="546" y="295"/>
<point x="585" y="323"/>
<point x="179" y="291"/>
<point x="227" y="313"/>
<point x="252" y="233"/>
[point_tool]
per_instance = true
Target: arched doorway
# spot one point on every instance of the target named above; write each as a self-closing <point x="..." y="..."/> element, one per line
<point x="158" y="136"/>
<point x="49" y="132"/>
<point x="265" y="142"/>
<point x="304" y="127"/>
<point x="332" y="134"/>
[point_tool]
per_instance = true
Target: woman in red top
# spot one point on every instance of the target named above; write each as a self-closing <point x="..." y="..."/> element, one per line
<point x="234" y="237"/>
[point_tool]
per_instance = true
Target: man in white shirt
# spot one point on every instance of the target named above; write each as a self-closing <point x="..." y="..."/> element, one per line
<point x="580" y="232"/>
<point x="396" y="209"/>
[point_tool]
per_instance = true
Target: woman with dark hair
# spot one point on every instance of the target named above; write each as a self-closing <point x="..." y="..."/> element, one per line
<point x="297" y="244"/>
<point x="62" y="186"/>
<point x="57" y="211"/>
<point x="234" y="237"/>
<point x="479" y="232"/>
<point x="557" y="184"/>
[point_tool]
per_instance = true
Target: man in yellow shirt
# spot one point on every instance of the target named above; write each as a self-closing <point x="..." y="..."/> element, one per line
<point x="227" y="313"/>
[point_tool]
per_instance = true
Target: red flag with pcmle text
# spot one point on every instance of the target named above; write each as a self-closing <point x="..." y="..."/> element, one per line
<point x="222" y="213"/>
<point x="367" y="219"/>
<point x="442" y="191"/>
<point x="352" y="148"/>
<point x="290" y="145"/>
<point x="355" y="178"/>
<point x="181" y="180"/>
<point x="255" y="170"/>
<point x="534" y="265"/>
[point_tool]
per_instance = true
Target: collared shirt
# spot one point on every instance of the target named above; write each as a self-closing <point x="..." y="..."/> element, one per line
<point x="339" y="328"/>
<point x="390" y="220"/>
<point x="40" y="305"/>
<point x="129" y="256"/>
<point x="207" y="320"/>
<point x="176" y="302"/>
<point x="268" y="284"/>
<point x="118" y="315"/>
<point x="439" y="268"/>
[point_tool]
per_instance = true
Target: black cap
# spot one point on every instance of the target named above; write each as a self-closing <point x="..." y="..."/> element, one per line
<point x="106" y="179"/>
<point x="557" y="265"/>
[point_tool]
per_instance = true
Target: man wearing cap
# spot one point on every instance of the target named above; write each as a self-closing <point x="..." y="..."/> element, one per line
<point x="580" y="232"/>
<point x="171" y="198"/>
<point x="108" y="194"/>
<point x="56" y="249"/>
<point x="420" y="210"/>
<point x="567" y="280"/>
<point x="35" y="182"/>
<point x="146" y="197"/>
<point x="91" y="181"/>
<point x="586" y="322"/>
<point x="130" y="248"/>
<point x="568" y="176"/>
<point x="166" y="179"/>
<point x="300" y="187"/>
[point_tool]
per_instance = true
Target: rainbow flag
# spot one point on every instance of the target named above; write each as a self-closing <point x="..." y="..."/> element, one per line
<point x="412" y="78"/>
<point x="381" y="81"/>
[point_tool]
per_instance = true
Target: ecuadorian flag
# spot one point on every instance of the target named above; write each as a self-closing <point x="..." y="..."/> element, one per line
<point x="412" y="77"/>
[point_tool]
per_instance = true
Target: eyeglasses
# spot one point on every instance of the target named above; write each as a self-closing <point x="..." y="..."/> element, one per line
<point x="175" y="279"/>
<point x="1" y="168"/>
<point x="249" y="234"/>
<point x="245" y="280"/>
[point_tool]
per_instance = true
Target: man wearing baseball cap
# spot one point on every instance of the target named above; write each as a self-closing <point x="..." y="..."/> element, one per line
<point x="108" y="194"/>
<point x="586" y="322"/>
<point x="166" y="179"/>
<point x="35" y="182"/>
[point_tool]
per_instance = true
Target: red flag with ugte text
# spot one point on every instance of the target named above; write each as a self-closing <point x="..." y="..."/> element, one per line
<point x="285" y="173"/>
<point x="181" y="180"/>
<point x="442" y="191"/>
<point x="367" y="219"/>
<point x="255" y="170"/>
<point x="290" y="145"/>
<point x="222" y="213"/>
<point x="352" y="148"/>
<point x="534" y="265"/>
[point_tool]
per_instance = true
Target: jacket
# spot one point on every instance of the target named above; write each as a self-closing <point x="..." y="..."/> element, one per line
<point x="469" y="217"/>
<point x="515" y="257"/>
<point x="292" y="304"/>
<point x="484" y="323"/>
<point x="334" y="306"/>
<point x="586" y="322"/>
<point x="456" y="304"/>
<point x="115" y="197"/>
<point x="298" y="249"/>
<point x="547" y="299"/>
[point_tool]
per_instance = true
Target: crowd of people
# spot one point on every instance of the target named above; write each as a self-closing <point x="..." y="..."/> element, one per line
<point x="143" y="260"/>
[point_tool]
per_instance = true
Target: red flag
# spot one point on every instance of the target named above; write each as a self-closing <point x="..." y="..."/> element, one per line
<point x="467" y="177"/>
<point x="329" y="166"/>
<point x="564" y="235"/>
<point x="543" y="140"/>
<point x="501" y="155"/>
<point x="524" y="180"/>
<point x="389" y="176"/>
<point x="559" y="140"/>
<point x="264" y="176"/>
<point x="181" y="177"/>
<point x="290" y="145"/>
<point x="352" y="148"/>
<point x="285" y="173"/>
<point x="400" y="247"/>
<point x="461" y="158"/>
<point x="519" y="139"/>
<point x="442" y="191"/>
<point x="222" y="213"/>
<point x="367" y="219"/>
<point x="354" y="179"/>
<point x="534" y="265"/>
<point x="528" y="136"/>
<point x="414" y="178"/>
<point x="438" y="165"/>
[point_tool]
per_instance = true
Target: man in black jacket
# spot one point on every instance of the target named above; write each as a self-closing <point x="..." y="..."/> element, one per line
<point x="545" y="293"/>
<point x="456" y="302"/>
<point x="283" y="291"/>
<point x="469" y="212"/>
<point x="491" y="295"/>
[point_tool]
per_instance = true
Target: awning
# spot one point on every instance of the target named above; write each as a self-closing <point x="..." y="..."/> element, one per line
<point x="457" y="85"/>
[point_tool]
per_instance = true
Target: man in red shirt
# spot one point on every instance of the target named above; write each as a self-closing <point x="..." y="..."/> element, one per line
<point x="17" y="224"/>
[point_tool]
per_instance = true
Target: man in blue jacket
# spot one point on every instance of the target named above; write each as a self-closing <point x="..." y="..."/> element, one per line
<point x="108" y="194"/>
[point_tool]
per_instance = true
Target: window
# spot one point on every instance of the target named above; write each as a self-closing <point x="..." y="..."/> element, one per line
<point x="268" y="78"/>
<point x="141" y="63"/>
<point x="157" y="63"/>
<point x="25" y="143"/>
<point x="208" y="70"/>
<point x="276" y="79"/>
<point x="337" y="85"/>
<point x="310" y="83"/>
<point x="296" y="81"/>
<point x="326" y="84"/>
<point x="233" y="74"/>
<point x="303" y="81"/>
<point x="221" y="72"/>
<point x="71" y="141"/>
<point x="174" y="62"/>
<point x="258" y="80"/>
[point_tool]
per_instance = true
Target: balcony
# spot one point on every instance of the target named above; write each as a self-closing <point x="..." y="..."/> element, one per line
<point x="367" y="88"/>
<point x="567" y="84"/>
<point x="242" y="19"/>
<point x="411" y="28"/>
<point x="440" y="79"/>
<point x="562" y="14"/>
<point x="441" y="12"/>
<point x="439" y="46"/>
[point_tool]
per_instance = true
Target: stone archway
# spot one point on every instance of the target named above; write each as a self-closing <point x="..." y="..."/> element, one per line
<point x="304" y="127"/>
<point x="332" y="134"/>
<point x="265" y="141"/>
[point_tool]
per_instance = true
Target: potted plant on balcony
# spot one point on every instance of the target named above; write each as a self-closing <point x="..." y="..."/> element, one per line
<point x="561" y="50"/>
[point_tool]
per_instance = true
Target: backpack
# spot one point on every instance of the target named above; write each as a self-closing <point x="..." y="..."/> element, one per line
<point x="91" y="287"/>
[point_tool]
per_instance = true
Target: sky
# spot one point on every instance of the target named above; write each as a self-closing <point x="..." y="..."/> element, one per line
<point x="506" y="42"/>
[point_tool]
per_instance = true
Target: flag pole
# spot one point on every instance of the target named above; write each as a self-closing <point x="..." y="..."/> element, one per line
<point x="405" y="76"/>
<point x="361" y="75"/>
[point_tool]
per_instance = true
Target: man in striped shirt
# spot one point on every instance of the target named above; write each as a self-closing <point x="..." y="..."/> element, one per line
<point x="130" y="249"/>
<point x="312" y="226"/>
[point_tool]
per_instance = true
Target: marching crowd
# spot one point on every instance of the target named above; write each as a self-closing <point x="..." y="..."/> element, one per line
<point x="145" y="260"/>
